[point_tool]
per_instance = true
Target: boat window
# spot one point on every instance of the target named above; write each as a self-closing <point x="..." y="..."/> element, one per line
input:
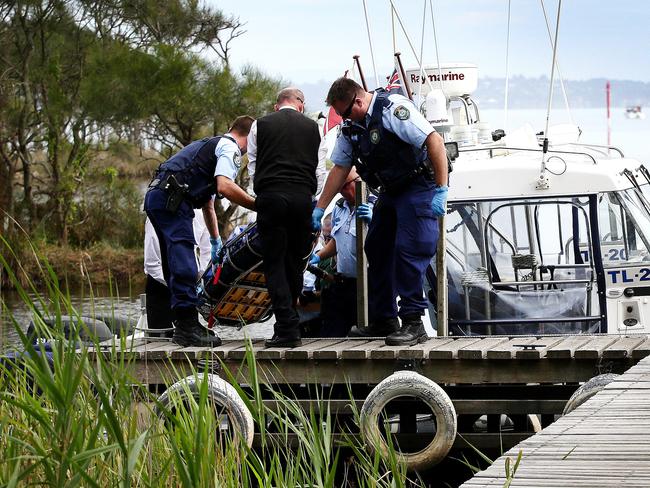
<point x="520" y="267"/>
<point x="624" y="225"/>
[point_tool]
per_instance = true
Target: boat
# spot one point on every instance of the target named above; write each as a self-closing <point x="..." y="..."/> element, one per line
<point x="634" y="112"/>
<point x="554" y="242"/>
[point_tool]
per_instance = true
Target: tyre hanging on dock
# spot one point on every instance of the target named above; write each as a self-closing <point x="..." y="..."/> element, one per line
<point x="410" y="384"/>
<point x="587" y="390"/>
<point x="221" y="394"/>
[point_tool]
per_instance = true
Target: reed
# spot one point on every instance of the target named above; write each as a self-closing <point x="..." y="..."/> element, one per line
<point x="71" y="418"/>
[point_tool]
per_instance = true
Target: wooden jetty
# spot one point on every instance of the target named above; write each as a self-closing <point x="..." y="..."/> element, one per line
<point x="605" y="442"/>
<point x="492" y="376"/>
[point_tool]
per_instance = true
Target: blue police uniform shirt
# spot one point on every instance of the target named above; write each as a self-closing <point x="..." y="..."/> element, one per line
<point x="414" y="130"/>
<point x="228" y="158"/>
<point x="344" y="232"/>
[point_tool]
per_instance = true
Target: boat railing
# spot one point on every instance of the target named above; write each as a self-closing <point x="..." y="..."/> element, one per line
<point x="509" y="148"/>
<point x="598" y="146"/>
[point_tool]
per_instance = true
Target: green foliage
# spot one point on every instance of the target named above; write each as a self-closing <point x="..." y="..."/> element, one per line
<point x="110" y="211"/>
<point x="80" y="75"/>
<point x="72" y="417"/>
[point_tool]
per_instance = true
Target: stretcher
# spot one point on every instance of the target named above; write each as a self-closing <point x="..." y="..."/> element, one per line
<point x="233" y="292"/>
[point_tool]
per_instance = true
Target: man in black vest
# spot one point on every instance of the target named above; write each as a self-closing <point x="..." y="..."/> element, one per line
<point x="284" y="147"/>
<point x="190" y="179"/>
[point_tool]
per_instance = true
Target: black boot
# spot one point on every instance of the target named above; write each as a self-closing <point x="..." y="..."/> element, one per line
<point x="283" y="341"/>
<point x="378" y="328"/>
<point x="411" y="333"/>
<point x="188" y="331"/>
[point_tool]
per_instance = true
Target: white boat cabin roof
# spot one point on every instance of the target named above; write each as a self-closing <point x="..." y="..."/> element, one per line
<point x="515" y="174"/>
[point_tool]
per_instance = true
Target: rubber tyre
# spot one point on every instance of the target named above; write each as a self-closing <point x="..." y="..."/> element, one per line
<point x="91" y="330"/>
<point x="587" y="390"/>
<point x="409" y="383"/>
<point x="221" y="393"/>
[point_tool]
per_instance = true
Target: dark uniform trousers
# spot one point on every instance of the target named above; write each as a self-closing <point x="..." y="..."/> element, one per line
<point x="401" y="241"/>
<point x="339" y="308"/>
<point x="284" y="225"/>
<point x="176" y="236"/>
<point x="159" y="313"/>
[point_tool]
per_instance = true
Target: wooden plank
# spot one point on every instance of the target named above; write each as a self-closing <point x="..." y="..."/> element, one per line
<point x="478" y="350"/>
<point x="642" y="350"/>
<point x="594" y="348"/>
<point x="508" y="349"/>
<point x="450" y="350"/>
<point x="276" y="353"/>
<point x="566" y="347"/>
<point x="157" y="351"/>
<point x="360" y="197"/>
<point x="421" y="351"/>
<point x="363" y="350"/>
<point x="203" y="352"/>
<point x="240" y="353"/>
<point x="335" y="351"/>
<point x="306" y="351"/>
<point x="605" y="442"/>
<point x="386" y="352"/>
<point x="622" y="347"/>
<point x="539" y="348"/>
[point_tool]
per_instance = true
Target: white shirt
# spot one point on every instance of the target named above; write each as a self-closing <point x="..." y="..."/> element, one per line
<point x="321" y="169"/>
<point x="152" y="259"/>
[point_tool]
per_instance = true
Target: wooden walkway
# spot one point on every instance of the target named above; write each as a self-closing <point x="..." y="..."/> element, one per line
<point x="603" y="443"/>
<point x="467" y="360"/>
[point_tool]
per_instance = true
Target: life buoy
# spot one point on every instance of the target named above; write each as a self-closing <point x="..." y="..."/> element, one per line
<point x="587" y="390"/>
<point x="220" y="393"/>
<point x="410" y="384"/>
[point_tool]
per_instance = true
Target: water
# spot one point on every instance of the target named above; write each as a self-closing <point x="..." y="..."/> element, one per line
<point x="629" y="135"/>
<point x="127" y="308"/>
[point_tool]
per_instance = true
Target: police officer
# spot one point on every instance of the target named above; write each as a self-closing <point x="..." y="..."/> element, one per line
<point x="158" y="303"/>
<point x="284" y="149"/>
<point x="339" y="299"/>
<point x="189" y="180"/>
<point x="397" y="151"/>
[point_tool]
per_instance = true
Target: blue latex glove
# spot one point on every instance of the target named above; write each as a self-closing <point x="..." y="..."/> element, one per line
<point x="314" y="260"/>
<point x="316" y="217"/>
<point x="215" y="247"/>
<point x="364" y="211"/>
<point x="439" y="201"/>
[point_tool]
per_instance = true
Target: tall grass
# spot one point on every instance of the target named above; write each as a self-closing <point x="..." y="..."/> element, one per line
<point x="72" y="418"/>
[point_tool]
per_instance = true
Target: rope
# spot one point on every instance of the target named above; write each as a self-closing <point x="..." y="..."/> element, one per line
<point x="435" y="43"/>
<point x="422" y="71"/>
<point x="559" y="73"/>
<point x="550" y="92"/>
<point x="505" y="105"/>
<point x="372" y="52"/>
<point x="392" y="22"/>
<point x="408" y="39"/>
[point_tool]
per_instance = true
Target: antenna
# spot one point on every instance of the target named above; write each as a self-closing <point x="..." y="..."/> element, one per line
<point x="542" y="183"/>
<point x="372" y="52"/>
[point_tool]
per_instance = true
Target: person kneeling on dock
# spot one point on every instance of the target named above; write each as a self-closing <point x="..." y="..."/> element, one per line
<point x="339" y="299"/>
<point x="400" y="154"/>
<point x="189" y="180"/>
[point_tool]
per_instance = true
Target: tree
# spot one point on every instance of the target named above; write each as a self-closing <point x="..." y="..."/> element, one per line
<point x="76" y="73"/>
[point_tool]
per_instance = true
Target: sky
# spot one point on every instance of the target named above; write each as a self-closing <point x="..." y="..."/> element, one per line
<point x="306" y="41"/>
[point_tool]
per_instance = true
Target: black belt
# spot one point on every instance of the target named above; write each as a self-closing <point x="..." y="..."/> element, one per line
<point x="176" y="192"/>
